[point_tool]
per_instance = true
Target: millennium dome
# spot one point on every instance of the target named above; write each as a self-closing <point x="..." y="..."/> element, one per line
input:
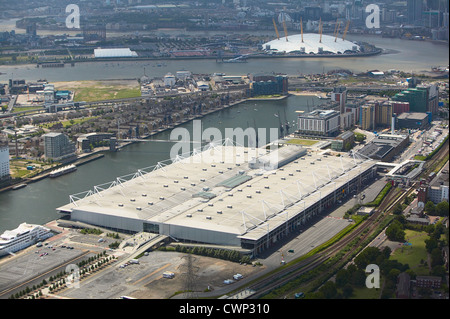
<point x="311" y="43"/>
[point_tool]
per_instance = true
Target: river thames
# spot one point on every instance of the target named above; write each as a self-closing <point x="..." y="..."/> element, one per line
<point x="37" y="202"/>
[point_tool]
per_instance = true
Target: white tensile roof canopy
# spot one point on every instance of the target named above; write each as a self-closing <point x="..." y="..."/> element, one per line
<point x="311" y="44"/>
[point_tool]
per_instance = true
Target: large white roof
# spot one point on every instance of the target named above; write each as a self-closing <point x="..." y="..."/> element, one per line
<point x="311" y="43"/>
<point x="114" y="53"/>
<point x="245" y="202"/>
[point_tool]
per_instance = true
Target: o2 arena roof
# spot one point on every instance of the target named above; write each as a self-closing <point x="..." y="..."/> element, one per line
<point x="311" y="44"/>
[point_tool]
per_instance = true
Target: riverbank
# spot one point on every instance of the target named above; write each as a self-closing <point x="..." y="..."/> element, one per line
<point x="72" y="62"/>
<point x="81" y="160"/>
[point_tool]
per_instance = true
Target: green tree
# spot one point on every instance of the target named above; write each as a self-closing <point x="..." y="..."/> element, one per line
<point x="430" y="208"/>
<point x="347" y="291"/>
<point x="395" y="231"/>
<point x="342" y="278"/>
<point x="398" y="209"/>
<point x="329" y="290"/>
<point x="430" y="244"/>
<point x="442" y="208"/>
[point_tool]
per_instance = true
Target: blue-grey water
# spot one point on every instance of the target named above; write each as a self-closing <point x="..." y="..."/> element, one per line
<point x="405" y="55"/>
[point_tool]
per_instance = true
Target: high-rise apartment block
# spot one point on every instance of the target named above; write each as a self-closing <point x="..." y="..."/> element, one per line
<point x="57" y="146"/>
<point x="4" y="160"/>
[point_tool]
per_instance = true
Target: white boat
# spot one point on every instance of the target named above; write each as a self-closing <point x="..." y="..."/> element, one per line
<point x="22" y="237"/>
<point x="63" y="170"/>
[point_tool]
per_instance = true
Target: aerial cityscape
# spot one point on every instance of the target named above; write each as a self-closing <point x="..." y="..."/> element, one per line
<point x="242" y="151"/>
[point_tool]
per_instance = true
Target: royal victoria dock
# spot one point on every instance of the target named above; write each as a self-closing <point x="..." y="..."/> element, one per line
<point x="248" y="198"/>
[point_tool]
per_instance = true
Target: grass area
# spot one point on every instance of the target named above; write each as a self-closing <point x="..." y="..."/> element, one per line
<point x="367" y="293"/>
<point x="91" y="94"/>
<point x="26" y="108"/>
<point x="414" y="254"/>
<point x="298" y="141"/>
<point x="272" y="96"/>
<point x="18" y="168"/>
<point x="420" y="157"/>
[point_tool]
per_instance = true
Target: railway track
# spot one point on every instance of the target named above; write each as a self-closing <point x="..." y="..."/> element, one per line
<point x="361" y="233"/>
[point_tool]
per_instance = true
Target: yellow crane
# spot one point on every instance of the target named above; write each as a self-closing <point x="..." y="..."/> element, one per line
<point x="301" y="27"/>
<point x="276" y="29"/>
<point x="320" y="30"/>
<point x="345" y="31"/>
<point x="285" y="29"/>
<point x="337" y="32"/>
<point x="335" y="27"/>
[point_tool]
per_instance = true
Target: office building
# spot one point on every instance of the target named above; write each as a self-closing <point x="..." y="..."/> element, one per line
<point x="438" y="189"/>
<point x="413" y="120"/>
<point x="268" y="85"/>
<point x="319" y="123"/>
<point x="414" y="11"/>
<point x="86" y="141"/>
<point x="57" y="146"/>
<point x="343" y="142"/>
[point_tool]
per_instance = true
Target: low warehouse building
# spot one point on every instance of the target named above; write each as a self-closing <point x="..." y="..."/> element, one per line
<point x="216" y="197"/>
